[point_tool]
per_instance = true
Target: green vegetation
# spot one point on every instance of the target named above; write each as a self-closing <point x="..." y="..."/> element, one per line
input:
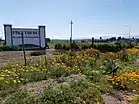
<point x="106" y="47"/>
<point x="19" y="97"/>
<point x="75" y="93"/>
<point x="52" y="43"/>
<point x="100" y="73"/>
<point x="9" y="48"/>
<point x="37" y="53"/>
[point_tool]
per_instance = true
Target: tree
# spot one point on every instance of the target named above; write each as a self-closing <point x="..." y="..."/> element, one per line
<point x="0" y="39"/>
<point x="112" y="39"/>
<point x="47" y="39"/>
<point x="133" y="38"/>
<point x="119" y="38"/>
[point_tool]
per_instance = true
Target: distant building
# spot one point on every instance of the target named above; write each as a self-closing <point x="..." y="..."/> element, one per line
<point x="32" y="37"/>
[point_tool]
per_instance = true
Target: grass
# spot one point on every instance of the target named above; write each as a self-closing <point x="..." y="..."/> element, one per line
<point x="54" y="42"/>
<point x="75" y="93"/>
<point x="19" y="97"/>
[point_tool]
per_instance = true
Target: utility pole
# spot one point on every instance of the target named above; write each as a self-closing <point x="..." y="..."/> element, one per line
<point x="52" y="39"/>
<point x="71" y="32"/>
<point x="128" y="33"/>
<point x="23" y="48"/>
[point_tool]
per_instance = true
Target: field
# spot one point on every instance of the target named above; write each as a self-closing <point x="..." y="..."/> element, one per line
<point x="11" y="57"/>
<point x="70" y="77"/>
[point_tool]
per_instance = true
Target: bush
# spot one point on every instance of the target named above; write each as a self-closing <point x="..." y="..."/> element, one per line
<point x="74" y="46"/>
<point x="135" y="99"/>
<point x="101" y="47"/>
<point x="112" y="47"/>
<point x="58" y="46"/>
<point x="123" y="55"/>
<point x="20" y="97"/>
<point x="4" y="93"/>
<point x="105" y="47"/>
<point x="10" y="48"/>
<point x="37" y="53"/>
<point x="61" y="95"/>
<point x="34" y="76"/>
<point x="47" y="39"/>
<point x="126" y="81"/>
<point x="81" y="92"/>
<point x="65" y="47"/>
<point x="110" y="67"/>
<point x="86" y="47"/>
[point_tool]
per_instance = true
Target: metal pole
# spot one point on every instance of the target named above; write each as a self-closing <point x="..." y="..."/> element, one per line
<point x="52" y="39"/>
<point x="71" y="32"/>
<point x="128" y="33"/>
<point x="23" y="48"/>
<point x="129" y="36"/>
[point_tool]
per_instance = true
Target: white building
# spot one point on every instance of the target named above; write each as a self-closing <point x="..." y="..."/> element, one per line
<point x="34" y="37"/>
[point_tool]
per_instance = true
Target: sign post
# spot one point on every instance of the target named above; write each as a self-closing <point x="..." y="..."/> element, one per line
<point x="23" y="48"/>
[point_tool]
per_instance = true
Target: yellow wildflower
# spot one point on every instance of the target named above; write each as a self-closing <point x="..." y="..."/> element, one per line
<point x="14" y="81"/>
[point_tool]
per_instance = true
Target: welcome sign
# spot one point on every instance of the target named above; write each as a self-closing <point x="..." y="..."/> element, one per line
<point x="13" y="36"/>
<point x="27" y="33"/>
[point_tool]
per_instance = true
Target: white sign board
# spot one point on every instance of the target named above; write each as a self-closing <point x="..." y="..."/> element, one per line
<point x="34" y="37"/>
<point x="27" y="33"/>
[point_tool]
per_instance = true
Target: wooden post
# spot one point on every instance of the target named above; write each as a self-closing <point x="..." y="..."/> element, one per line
<point x="92" y="42"/>
<point x="45" y="60"/>
<point x="23" y="48"/>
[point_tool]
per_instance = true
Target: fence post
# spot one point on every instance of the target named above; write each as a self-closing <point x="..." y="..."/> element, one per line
<point x="45" y="60"/>
<point x="92" y="42"/>
<point x="23" y="48"/>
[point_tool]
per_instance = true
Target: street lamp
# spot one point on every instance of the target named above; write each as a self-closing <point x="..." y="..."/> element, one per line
<point x="128" y="32"/>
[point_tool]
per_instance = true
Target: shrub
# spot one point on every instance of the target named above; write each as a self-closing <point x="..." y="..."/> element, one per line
<point x="58" y="46"/>
<point x="37" y="53"/>
<point x="57" y="73"/>
<point x="101" y="47"/>
<point x="5" y="48"/>
<point x="4" y="93"/>
<point x="61" y="95"/>
<point x="74" y="46"/>
<point x="10" y="48"/>
<point x="127" y="80"/>
<point x="123" y="55"/>
<point x="20" y="97"/>
<point x="106" y="47"/>
<point x="112" y="47"/>
<point x="83" y="47"/>
<point x="137" y="47"/>
<point x="65" y="47"/>
<point x="135" y="99"/>
<point x="75" y="93"/>
<point x="110" y="67"/>
<point x="34" y="76"/>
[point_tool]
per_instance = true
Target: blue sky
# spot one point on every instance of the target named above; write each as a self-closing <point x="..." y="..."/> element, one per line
<point x="90" y="17"/>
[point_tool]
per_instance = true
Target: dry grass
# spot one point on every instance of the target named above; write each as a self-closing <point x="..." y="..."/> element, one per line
<point x="17" y="56"/>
